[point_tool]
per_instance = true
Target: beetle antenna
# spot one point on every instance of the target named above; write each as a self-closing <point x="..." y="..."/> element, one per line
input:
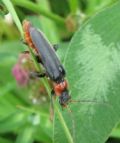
<point x="89" y="101"/>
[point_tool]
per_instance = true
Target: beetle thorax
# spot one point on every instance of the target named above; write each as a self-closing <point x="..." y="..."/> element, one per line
<point x="60" y="87"/>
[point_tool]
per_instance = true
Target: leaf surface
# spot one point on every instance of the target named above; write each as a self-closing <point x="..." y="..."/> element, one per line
<point x="92" y="64"/>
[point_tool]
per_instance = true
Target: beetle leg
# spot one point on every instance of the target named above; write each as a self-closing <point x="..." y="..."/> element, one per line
<point x="52" y="92"/>
<point x="37" y="74"/>
<point x="26" y="52"/>
<point x="52" y="105"/>
<point x="23" y="41"/>
<point x="38" y="59"/>
<point x="55" y="47"/>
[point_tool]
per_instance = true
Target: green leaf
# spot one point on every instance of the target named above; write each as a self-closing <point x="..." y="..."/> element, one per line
<point x="12" y="121"/>
<point x="4" y="140"/>
<point x="12" y="47"/>
<point x="115" y="133"/>
<point x="92" y="64"/>
<point x="26" y="135"/>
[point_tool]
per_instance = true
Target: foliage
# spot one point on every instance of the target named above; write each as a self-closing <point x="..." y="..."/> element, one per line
<point x="91" y="60"/>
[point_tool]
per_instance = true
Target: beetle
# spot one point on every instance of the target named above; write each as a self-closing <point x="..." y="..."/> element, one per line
<point x="45" y="53"/>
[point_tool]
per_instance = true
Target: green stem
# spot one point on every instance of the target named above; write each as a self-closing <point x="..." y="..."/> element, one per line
<point x="73" y="4"/>
<point x="11" y="9"/>
<point x="38" y="9"/>
<point x="63" y="123"/>
<point x="32" y="110"/>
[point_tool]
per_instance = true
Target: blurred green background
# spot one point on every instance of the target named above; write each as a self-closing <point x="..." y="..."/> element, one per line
<point x="24" y="109"/>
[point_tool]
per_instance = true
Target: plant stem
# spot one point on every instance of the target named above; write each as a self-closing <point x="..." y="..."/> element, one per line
<point x="73" y="4"/>
<point x="11" y="9"/>
<point x="63" y="123"/>
<point x="37" y="9"/>
<point x="32" y="110"/>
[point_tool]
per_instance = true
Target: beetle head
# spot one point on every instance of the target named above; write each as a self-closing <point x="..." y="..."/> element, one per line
<point x="64" y="98"/>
